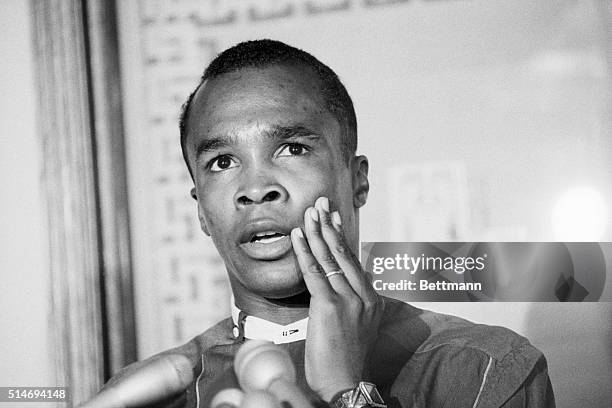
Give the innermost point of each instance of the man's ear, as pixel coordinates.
(361, 186)
(203, 225)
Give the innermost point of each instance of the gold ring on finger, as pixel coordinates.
(332, 273)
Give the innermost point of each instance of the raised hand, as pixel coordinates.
(345, 311)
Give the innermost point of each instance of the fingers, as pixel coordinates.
(326, 251)
(335, 245)
(339, 250)
(314, 219)
(314, 276)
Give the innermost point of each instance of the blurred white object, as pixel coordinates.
(580, 214)
(262, 365)
(228, 398)
(429, 201)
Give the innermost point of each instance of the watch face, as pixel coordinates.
(371, 395)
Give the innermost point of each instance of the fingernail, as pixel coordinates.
(336, 218)
(324, 204)
(314, 214)
(298, 232)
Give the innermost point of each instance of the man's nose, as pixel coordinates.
(260, 189)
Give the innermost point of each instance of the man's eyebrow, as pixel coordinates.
(276, 132)
(288, 132)
(214, 143)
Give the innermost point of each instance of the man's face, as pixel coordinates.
(263, 147)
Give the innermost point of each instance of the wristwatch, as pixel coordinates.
(365, 395)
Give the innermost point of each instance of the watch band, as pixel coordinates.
(362, 396)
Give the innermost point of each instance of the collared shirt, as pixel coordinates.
(420, 359)
(255, 328)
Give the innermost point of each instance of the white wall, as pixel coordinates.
(25, 355)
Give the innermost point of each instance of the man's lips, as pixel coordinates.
(267, 251)
(265, 239)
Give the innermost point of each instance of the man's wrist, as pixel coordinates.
(337, 396)
(337, 390)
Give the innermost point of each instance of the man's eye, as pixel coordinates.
(222, 163)
(292, 149)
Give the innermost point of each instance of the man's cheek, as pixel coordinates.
(214, 223)
(315, 186)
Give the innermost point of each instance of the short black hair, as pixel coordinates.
(263, 53)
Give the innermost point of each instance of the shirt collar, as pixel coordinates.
(255, 328)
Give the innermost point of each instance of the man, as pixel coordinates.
(269, 138)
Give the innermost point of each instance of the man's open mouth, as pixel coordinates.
(267, 237)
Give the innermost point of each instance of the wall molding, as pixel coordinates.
(112, 183)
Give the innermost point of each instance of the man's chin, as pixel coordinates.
(298, 300)
(273, 280)
(281, 290)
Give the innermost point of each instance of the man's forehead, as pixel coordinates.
(257, 98)
(263, 86)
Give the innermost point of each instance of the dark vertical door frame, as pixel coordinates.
(112, 182)
(85, 190)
